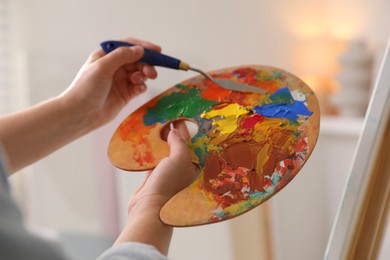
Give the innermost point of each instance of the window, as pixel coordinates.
(4, 58)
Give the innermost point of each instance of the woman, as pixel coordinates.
(103, 86)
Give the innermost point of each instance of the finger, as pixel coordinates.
(138, 89)
(131, 67)
(137, 77)
(140, 66)
(119, 57)
(183, 129)
(143, 43)
(178, 147)
(96, 55)
(150, 71)
(99, 53)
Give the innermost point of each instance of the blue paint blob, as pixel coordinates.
(283, 106)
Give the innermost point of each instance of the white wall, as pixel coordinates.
(74, 187)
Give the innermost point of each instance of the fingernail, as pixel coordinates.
(139, 79)
(143, 87)
(177, 132)
(140, 88)
(174, 130)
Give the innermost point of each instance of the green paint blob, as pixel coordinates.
(272, 76)
(200, 154)
(282, 95)
(186, 103)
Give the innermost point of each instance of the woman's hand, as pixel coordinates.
(107, 82)
(104, 85)
(171, 175)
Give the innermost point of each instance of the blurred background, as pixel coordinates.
(77, 197)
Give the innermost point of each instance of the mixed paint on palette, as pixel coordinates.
(248, 145)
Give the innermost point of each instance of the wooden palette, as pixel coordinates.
(248, 145)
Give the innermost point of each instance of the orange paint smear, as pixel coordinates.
(143, 154)
(133, 128)
(215, 92)
(270, 85)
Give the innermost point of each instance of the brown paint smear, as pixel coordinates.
(259, 158)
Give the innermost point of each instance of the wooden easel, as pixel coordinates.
(373, 215)
(362, 216)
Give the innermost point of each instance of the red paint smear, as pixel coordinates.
(288, 166)
(301, 145)
(251, 121)
(288, 172)
(249, 76)
(267, 182)
(291, 166)
(245, 72)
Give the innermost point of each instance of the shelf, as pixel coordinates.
(348, 126)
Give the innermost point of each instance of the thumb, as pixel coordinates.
(110, 62)
(180, 152)
(177, 145)
(180, 155)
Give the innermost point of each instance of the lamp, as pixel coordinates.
(354, 79)
(316, 59)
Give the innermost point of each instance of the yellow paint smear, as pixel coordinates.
(226, 118)
(262, 159)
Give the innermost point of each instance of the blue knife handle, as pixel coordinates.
(150, 57)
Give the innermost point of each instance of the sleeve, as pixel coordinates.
(132, 251)
(15, 241)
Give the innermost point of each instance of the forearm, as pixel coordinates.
(104, 85)
(145, 226)
(32, 134)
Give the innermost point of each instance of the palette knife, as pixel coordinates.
(155, 58)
